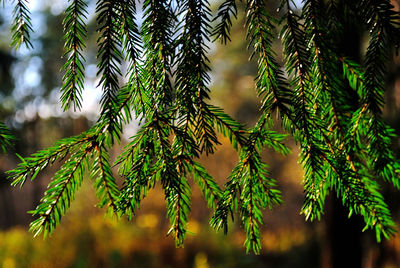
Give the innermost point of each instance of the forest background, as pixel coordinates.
(29, 104)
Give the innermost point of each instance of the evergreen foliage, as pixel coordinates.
(74, 35)
(21, 27)
(6, 138)
(330, 104)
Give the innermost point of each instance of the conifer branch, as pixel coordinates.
(60, 193)
(228, 127)
(74, 34)
(38, 161)
(371, 86)
(308, 128)
(133, 46)
(331, 105)
(21, 26)
(138, 168)
(210, 189)
(7, 139)
(226, 11)
(362, 197)
(105, 184)
(109, 56)
(270, 82)
(250, 182)
(157, 26)
(379, 135)
(176, 188)
(192, 77)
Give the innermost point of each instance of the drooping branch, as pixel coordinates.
(74, 34)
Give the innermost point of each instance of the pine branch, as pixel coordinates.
(370, 126)
(157, 26)
(307, 126)
(258, 192)
(177, 193)
(333, 98)
(60, 193)
(7, 139)
(226, 11)
(248, 179)
(21, 26)
(132, 95)
(251, 217)
(192, 75)
(362, 197)
(211, 191)
(348, 146)
(139, 170)
(270, 82)
(228, 127)
(109, 58)
(157, 31)
(375, 61)
(132, 47)
(204, 131)
(332, 106)
(379, 135)
(74, 34)
(32, 165)
(228, 203)
(176, 189)
(105, 184)
(250, 182)
(381, 13)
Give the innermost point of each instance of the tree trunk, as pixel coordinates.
(344, 234)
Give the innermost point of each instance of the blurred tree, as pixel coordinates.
(6, 59)
(329, 102)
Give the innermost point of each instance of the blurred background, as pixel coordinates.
(29, 104)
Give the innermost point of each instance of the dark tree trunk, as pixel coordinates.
(344, 235)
